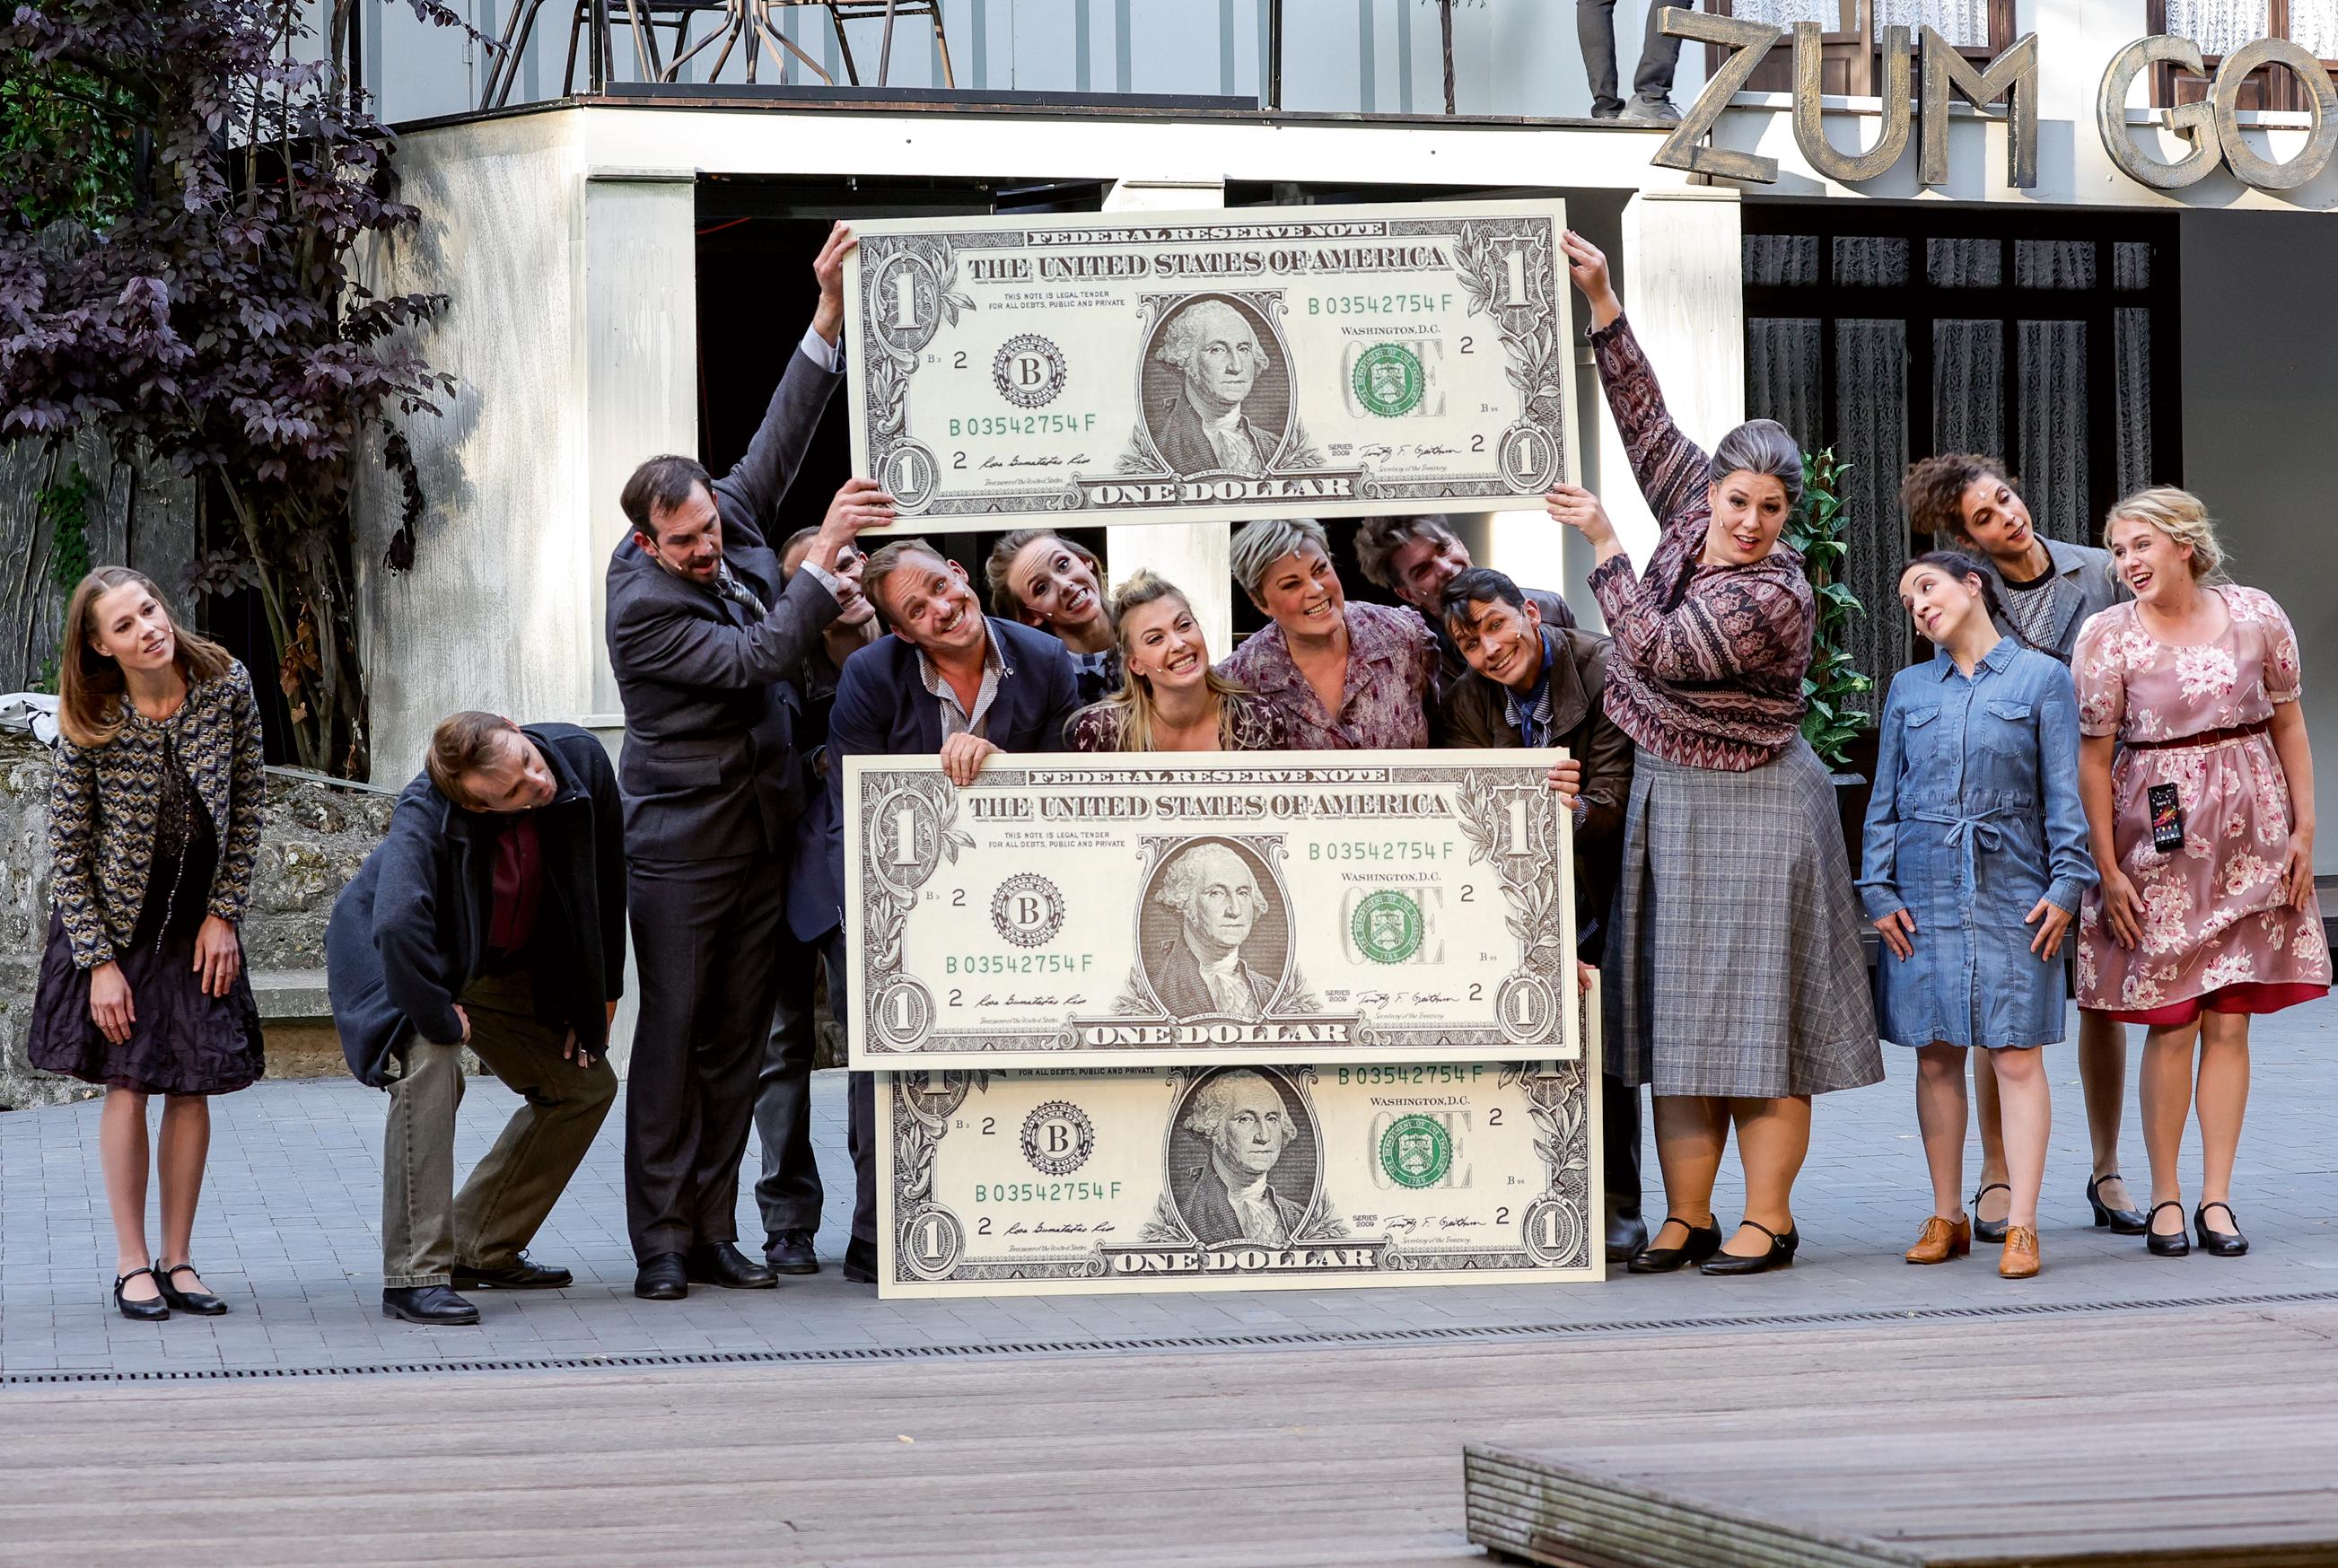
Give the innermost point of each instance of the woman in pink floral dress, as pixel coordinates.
(2198, 786)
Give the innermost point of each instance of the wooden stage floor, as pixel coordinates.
(1331, 1455)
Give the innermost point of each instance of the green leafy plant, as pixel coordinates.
(1816, 532)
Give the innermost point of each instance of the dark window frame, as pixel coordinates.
(2272, 89)
(1919, 304)
(1849, 55)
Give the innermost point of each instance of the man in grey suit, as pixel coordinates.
(704, 634)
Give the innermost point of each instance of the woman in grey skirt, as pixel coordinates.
(1736, 989)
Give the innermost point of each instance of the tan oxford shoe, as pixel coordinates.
(1941, 1240)
(2020, 1259)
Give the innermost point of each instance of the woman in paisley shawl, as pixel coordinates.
(154, 824)
(1735, 988)
(1170, 699)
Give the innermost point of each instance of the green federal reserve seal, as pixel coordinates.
(1386, 927)
(1416, 1152)
(1389, 381)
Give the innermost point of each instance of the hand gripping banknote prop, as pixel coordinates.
(1210, 366)
(1163, 910)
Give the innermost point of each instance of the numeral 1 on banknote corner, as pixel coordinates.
(1513, 293)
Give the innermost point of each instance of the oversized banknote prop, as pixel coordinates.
(1159, 910)
(1202, 1178)
(1311, 361)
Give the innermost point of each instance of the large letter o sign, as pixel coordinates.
(2310, 160)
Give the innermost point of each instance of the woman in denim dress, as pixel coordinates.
(1976, 860)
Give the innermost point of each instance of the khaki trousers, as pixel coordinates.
(427, 1229)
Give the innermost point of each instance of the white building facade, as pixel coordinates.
(628, 267)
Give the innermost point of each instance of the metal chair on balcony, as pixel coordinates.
(840, 11)
(736, 22)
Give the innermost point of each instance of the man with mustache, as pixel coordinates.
(950, 682)
(705, 636)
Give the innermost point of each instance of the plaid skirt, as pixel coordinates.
(1732, 963)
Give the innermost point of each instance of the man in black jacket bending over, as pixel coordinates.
(705, 634)
(492, 916)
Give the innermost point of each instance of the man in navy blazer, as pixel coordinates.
(948, 681)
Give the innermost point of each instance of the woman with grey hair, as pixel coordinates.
(1347, 677)
(1736, 989)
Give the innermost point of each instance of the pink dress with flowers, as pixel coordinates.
(2214, 914)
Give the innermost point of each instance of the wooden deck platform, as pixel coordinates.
(1316, 1457)
(2228, 1485)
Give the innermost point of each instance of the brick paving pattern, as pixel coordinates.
(289, 1235)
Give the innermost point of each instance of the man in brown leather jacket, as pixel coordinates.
(1534, 685)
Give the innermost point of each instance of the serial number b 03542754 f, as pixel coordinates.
(1018, 963)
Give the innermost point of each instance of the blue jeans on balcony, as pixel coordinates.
(1594, 30)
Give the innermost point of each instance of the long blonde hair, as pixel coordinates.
(1134, 697)
(90, 684)
(2184, 518)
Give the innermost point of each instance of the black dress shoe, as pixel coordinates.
(789, 1252)
(201, 1303)
(1701, 1243)
(436, 1306)
(2219, 1243)
(1990, 1229)
(2119, 1222)
(154, 1309)
(519, 1274)
(662, 1278)
(1780, 1253)
(1627, 1235)
(2173, 1245)
(861, 1262)
(721, 1263)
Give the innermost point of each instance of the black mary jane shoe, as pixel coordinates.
(2219, 1243)
(2118, 1222)
(1992, 1231)
(2174, 1244)
(202, 1303)
(154, 1309)
(1779, 1254)
(1703, 1243)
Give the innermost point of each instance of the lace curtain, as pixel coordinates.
(1782, 376)
(1964, 23)
(1827, 13)
(1969, 386)
(2314, 23)
(2052, 449)
(1964, 263)
(2219, 26)
(1871, 363)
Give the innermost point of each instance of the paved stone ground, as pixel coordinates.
(289, 1235)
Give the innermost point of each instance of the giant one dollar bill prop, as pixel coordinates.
(1160, 910)
(1239, 1178)
(1198, 366)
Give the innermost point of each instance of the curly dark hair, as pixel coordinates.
(1934, 490)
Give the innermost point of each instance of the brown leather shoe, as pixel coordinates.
(2020, 1258)
(1941, 1240)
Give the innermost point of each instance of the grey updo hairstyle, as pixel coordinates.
(1760, 446)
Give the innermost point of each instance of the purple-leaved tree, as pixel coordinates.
(213, 322)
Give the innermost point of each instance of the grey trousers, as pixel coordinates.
(427, 1227)
(1594, 33)
(788, 1190)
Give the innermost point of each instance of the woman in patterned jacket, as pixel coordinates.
(154, 823)
(1735, 986)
